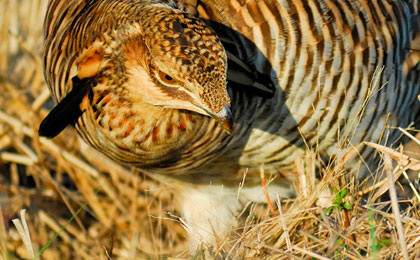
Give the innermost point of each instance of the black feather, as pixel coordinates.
(67, 111)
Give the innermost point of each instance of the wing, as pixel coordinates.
(253, 34)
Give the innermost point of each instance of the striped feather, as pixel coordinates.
(324, 57)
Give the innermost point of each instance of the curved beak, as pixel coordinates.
(224, 118)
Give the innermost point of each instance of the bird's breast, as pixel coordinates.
(141, 134)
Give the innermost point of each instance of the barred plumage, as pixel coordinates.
(321, 56)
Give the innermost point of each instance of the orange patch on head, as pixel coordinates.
(89, 63)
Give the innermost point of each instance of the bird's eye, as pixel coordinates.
(165, 78)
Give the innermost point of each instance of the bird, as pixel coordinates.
(198, 92)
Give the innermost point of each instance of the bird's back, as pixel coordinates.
(344, 71)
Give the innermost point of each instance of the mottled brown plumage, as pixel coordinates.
(151, 84)
(178, 63)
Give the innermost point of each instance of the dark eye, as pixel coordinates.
(166, 78)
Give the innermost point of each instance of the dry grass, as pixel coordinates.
(97, 209)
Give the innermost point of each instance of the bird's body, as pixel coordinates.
(341, 70)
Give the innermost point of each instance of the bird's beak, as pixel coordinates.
(224, 118)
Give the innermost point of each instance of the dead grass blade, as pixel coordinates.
(395, 207)
(23, 230)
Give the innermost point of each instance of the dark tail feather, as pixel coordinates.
(67, 111)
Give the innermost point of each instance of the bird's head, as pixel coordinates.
(174, 61)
